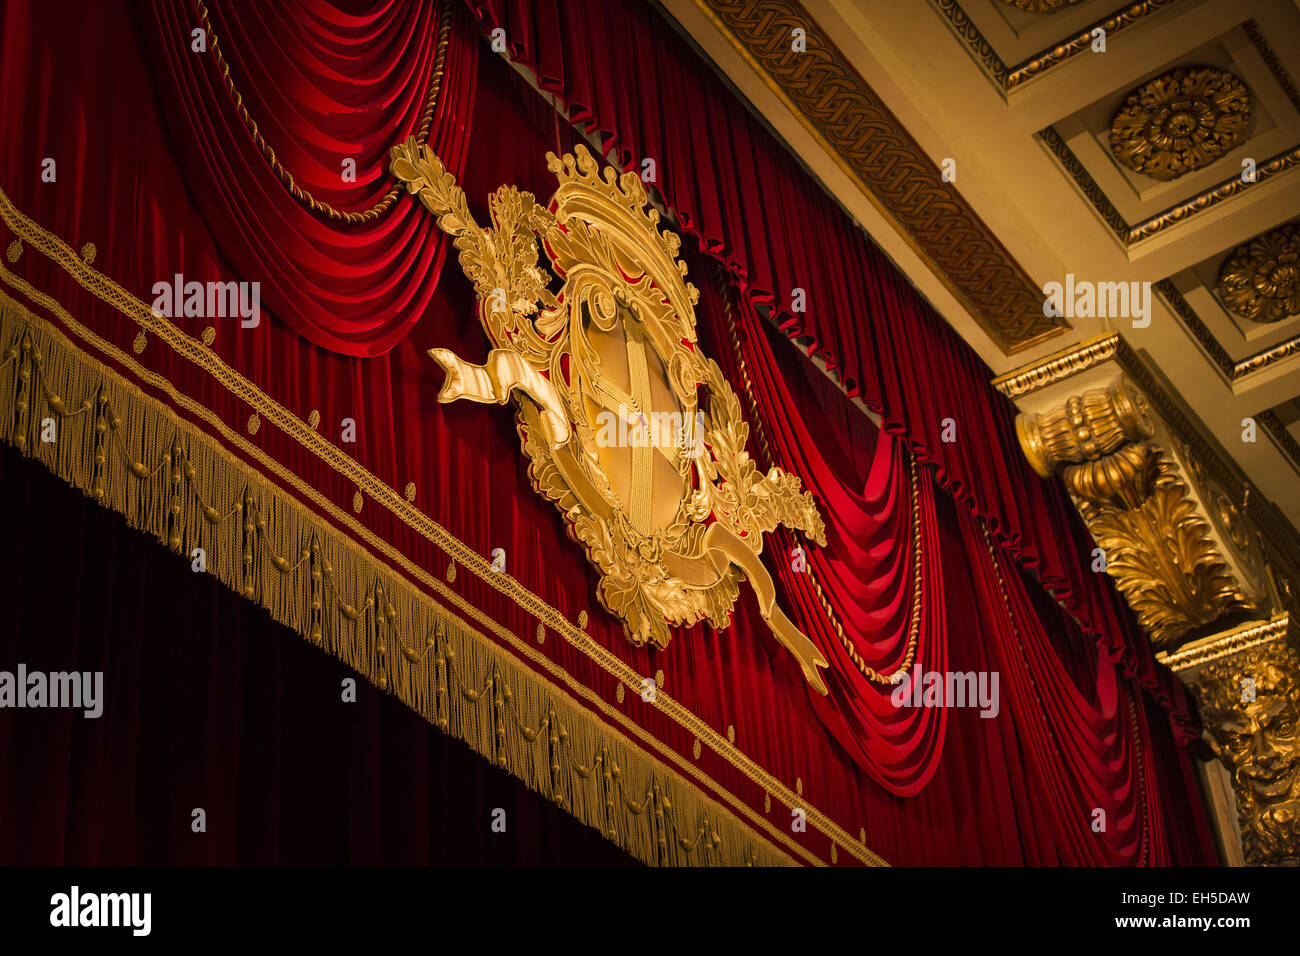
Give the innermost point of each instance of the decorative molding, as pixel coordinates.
(1221, 646)
(1132, 233)
(1252, 30)
(836, 105)
(1231, 369)
(1059, 366)
(1008, 78)
(1280, 434)
(1180, 121)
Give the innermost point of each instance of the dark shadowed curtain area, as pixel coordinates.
(209, 703)
(158, 169)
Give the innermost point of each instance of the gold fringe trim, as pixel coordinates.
(304, 433)
(95, 430)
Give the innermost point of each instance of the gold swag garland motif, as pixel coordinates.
(672, 529)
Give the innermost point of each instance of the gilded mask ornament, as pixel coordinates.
(1180, 122)
(1260, 280)
(1251, 705)
(628, 427)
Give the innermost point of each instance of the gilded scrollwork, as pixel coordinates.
(629, 428)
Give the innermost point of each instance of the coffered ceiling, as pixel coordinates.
(1152, 142)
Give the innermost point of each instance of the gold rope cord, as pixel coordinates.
(1139, 755)
(918, 583)
(317, 206)
(131, 454)
(115, 296)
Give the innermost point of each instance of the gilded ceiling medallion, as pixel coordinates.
(1040, 6)
(1180, 121)
(1260, 280)
(629, 428)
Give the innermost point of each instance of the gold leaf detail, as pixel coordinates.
(357, 501)
(410, 491)
(1181, 121)
(313, 419)
(139, 342)
(14, 251)
(88, 253)
(254, 423)
(209, 336)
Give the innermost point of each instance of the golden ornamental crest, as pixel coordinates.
(629, 428)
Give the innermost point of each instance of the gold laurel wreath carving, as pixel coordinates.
(1180, 121)
(318, 206)
(1260, 279)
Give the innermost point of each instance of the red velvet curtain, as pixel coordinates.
(326, 87)
(749, 203)
(924, 786)
(257, 736)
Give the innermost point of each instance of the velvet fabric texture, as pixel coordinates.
(156, 167)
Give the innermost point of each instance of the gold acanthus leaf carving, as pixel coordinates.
(1260, 280)
(1181, 121)
(1157, 546)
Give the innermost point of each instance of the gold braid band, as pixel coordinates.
(918, 584)
(317, 206)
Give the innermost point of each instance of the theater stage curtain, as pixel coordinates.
(258, 737)
(330, 90)
(431, 491)
(750, 204)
